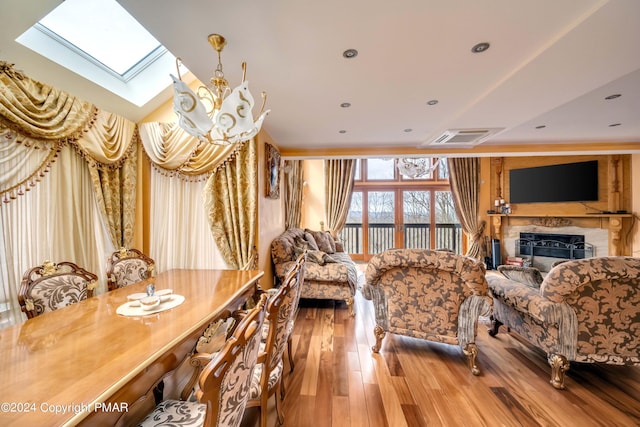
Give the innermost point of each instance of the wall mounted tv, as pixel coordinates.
(570, 182)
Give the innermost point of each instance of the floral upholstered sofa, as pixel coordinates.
(585, 310)
(433, 295)
(329, 272)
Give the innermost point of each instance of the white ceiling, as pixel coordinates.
(551, 62)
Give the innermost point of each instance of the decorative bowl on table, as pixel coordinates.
(165, 294)
(150, 302)
(134, 299)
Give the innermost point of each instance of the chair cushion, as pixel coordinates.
(255, 390)
(176, 413)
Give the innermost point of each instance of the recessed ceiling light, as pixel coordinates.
(350, 53)
(614, 96)
(541, 127)
(342, 131)
(480, 47)
(614, 124)
(432, 102)
(345, 105)
(408, 130)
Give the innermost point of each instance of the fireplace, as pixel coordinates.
(595, 240)
(564, 246)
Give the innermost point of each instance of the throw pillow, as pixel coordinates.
(319, 257)
(300, 242)
(529, 276)
(308, 237)
(324, 241)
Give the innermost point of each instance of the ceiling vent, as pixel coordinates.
(465, 136)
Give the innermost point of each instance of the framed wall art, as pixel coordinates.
(273, 171)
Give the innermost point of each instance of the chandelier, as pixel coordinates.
(217, 114)
(416, 167)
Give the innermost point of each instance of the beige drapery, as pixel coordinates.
(39, 117)
(339, 174)
(464, 178)
(181, 165)
(84, 160)
(176, 153)
(292, 193)
(40, 111)
(231, 200)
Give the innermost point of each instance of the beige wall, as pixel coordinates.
(270, 214)
(313, 205)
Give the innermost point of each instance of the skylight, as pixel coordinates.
(100, 41)
(103, 30)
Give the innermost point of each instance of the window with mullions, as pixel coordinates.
(391, 210)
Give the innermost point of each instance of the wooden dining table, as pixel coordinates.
(87, 364)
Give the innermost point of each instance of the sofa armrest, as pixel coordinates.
(283, 268)
(525, 299)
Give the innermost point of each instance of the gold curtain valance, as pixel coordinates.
(172, 151)
(40, 111)
(109, 142)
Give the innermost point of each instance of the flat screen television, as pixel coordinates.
(569, 182)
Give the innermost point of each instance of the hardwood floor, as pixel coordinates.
(338, 381)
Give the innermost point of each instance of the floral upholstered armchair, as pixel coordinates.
(585, 310)
(433, 295)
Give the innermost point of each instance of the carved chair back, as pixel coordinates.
(267, 379)
(127, 266)
(51, 286)
(223, 385)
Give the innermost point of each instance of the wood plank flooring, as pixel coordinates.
(338, 381)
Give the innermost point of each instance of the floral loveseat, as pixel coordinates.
(329, 272)
(585, 310)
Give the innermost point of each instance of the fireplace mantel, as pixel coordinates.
(614, 223)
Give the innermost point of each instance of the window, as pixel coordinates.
(102, 42)
(389, 210)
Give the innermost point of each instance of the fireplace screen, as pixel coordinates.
(565, 246)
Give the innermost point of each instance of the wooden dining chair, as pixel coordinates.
(223, 385)
(51, 286)
(299, 272)
(267, 377)
(127, 266)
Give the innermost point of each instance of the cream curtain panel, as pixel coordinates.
(179, 227)
(292, 193)
(183, 181)
(59, 220)
(464, 178)
(231, 203)
(339, 174)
